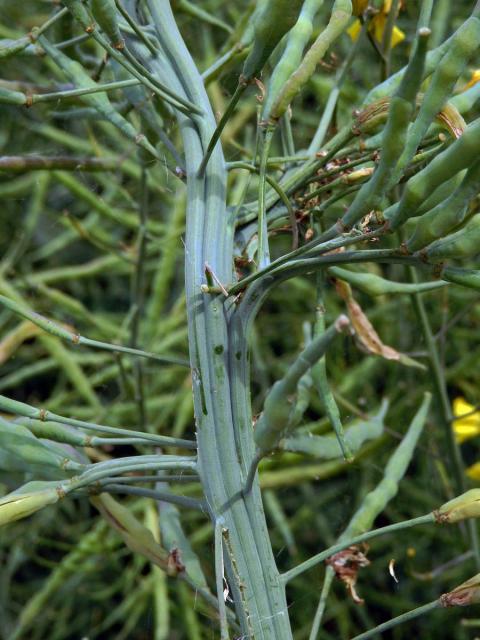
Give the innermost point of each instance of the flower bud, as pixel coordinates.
(465, 506)
(17, 505)
(463, 595)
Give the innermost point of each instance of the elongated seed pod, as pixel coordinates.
(12, 97)
(327, 447)
(105, 13)
(374, 285)
(25, 448)
(464, 277)
(466, 100)
(458, 156)
(402, 106)
(60, 332)
(462, 244)
(274, 419)
(298, 38)
(276, 19)
(375, 501)
(55, 432)
(341, 13)
(99, 101)
(442, 192)
(463, 45)
(447, 215)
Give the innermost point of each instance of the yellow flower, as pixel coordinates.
(377, 24)
(468, 426)
(474, 78)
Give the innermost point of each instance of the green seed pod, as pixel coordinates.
(277, 17)
(458, 156)
(80, 13)
(374, 285)
(466, 100)
(464, 277)
(341, 13)
(464, 43)
(55, 432)
(277, 407)
(76, 73)
(21, 445)
(32, 497)
(375, 501)
(462, 244)
(402, 107)
(328, 448)
(105, 13)
(44, 323)
(298, 38)
(12, 97)
(447, 215)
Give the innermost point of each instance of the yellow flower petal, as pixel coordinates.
(354, 30)
(475, 77)
(377, 28)
(473, 472)
(397, 36)
(468, 426)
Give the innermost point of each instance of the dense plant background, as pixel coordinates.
(69, 248)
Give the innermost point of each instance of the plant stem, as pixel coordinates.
(394, 622)
(323, 555)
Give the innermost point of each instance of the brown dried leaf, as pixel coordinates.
(365, 333)
(346, 565)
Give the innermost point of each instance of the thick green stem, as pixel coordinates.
(219, 361)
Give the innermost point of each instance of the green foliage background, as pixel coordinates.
(64, 574)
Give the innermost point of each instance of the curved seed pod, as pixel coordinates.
(105, 14)
(80, 13)
(55, 432)
(277, 17)
(441, 193)
(75, 72)
(464, 277)
(402, 106)
(12, 97)
(328, 448)
(466, 100)
(458, 156)
(341, 13)
(375, 501)
(276, 411)
(374, 285)
(298, 38)
(28, 453)
(462, 244)
(447, 215)
(464, 43)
